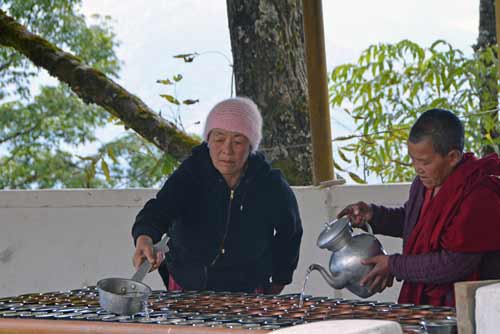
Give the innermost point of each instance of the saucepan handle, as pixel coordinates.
(145, 267)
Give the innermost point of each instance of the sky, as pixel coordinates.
(151, 32)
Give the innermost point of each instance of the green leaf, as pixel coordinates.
(337, 166)
(343, 157)
(488, 137)
(170, 99)
(183, 55)
(165, 82)
(356, 178)
(111, 155)
(342, 138)
(91, 171)
(85, 158)
(189, 102)
(187, 57)
(105, 169)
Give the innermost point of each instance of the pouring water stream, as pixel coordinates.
(302, 293)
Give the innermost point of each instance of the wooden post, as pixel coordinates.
(319, 109)
(497, 23)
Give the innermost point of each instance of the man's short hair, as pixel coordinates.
(442, 127)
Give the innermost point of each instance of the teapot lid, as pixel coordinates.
(333, 233)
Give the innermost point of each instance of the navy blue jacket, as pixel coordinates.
(222, 239)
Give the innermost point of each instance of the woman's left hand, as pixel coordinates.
(380, 277)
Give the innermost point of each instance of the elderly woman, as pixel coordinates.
(233, 221)
(450, 222)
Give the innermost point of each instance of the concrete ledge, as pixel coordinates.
(488, 309)
(72, 198)
(345, 327)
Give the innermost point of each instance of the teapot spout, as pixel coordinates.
(335, 281)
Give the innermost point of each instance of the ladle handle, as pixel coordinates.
(145, 267)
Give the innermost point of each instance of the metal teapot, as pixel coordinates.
(346, 270)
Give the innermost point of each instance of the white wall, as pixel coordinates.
(66, 239)
(488, 309)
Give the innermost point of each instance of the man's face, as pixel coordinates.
(432, 168)
(229, 151)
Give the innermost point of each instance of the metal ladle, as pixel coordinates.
(128, 296)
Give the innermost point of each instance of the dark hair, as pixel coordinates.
(442, 127)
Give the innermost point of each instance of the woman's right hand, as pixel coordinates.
(144, 250)
(358, 213)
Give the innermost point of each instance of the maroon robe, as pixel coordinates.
(464, 216)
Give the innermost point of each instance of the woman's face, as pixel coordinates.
(229, 152)
(431, 167)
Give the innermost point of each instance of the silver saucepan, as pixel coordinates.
(128, 296)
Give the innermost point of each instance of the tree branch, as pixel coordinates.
(92, 86)
(348, 137)
(6, 65)
(19, 133)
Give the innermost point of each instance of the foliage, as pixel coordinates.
(60, 22)
(33, 136)
(390, 85)
(38, 134)
(45, 132)
(175, 105)
(127, 162)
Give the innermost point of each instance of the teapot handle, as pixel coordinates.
(368, 227)
(365, 223)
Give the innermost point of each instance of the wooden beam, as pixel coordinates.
(37, 326)
(319, 108)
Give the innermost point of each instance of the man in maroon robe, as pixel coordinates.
(450, 224)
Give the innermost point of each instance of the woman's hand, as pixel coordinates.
(380, 277)
(358, 213)
(144, 250)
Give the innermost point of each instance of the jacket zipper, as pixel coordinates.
(222, 250)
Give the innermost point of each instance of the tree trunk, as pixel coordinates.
(488, 89)
(267, 39)
(487, 28)
(93, 86)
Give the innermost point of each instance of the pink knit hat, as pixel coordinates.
(238, 114)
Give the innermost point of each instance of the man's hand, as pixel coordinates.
(144, 250)
(274, 289)
(380, 276)
(357, 213)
